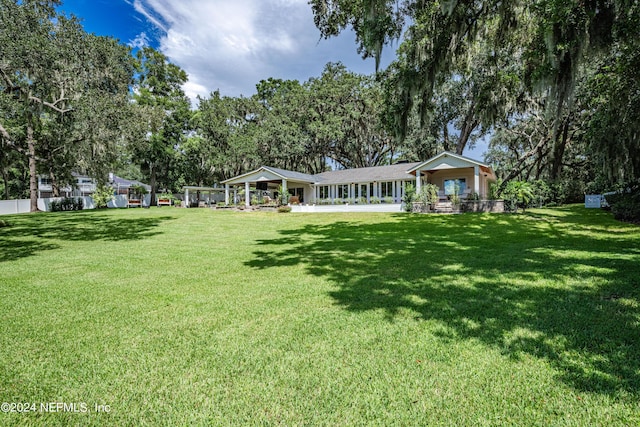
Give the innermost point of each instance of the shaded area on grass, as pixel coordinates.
(561, 285)
(30, 234)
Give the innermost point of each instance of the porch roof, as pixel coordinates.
(267, 173)
(449, 160)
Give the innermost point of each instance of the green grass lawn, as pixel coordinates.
(200, 317)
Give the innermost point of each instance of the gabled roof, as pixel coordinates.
(126, 183)
(394, 172)
(296, 176)
(279, 173)
(442, 157)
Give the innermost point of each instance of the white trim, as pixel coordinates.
(446, 154)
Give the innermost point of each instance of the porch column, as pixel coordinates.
(226, 194)
(247, 194)
(186, 198)
(285, 192)
(418, 184)
(476, 179)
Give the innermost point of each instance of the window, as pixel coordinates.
(343, 191)
(386, 189)
(363, 190)
(297, 192)
(454, 186)
(323, 192)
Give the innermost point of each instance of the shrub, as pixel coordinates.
(517, 194)
(494, 190)
(409, 197)
(102, 196)
(66, 204)
(567, 191)
(542, 194)
(137, 190)
(284, 209)
(625, 206)
(283, 196)
(428, 193)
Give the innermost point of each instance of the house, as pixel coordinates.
(449, 171)
(122, 186)
(86, 186)
(83, 186)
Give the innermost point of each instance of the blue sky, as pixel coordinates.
(228, 45)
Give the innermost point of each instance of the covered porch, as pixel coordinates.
(267, 182)
(454, 174)
(200, 196)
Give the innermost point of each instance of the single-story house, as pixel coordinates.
(122, 185)
(448, 171)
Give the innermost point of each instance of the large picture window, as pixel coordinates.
(324, 192)
(386, 189)
(454, 186)
(343, 191)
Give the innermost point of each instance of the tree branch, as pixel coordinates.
(52, 105)
(519, 166)
(11, 144)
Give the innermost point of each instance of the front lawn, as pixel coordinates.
(170, 316)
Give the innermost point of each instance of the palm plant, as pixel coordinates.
(520, 192)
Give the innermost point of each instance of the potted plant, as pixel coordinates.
(165, 199)
(136, 195)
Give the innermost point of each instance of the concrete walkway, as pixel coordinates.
(382, 207)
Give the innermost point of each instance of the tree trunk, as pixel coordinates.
(33, 172)
(5, 178)
(445, 137)
(467, 129)
(558, 150)
(152, 183)
(55, 188)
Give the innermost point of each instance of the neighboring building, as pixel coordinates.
(121, 185)
(447, 170)
(85, 186)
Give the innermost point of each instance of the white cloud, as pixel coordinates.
(141, 40)
(232, 44)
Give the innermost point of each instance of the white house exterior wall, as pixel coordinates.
(440, 176)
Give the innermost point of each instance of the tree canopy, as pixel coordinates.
(553, 86)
